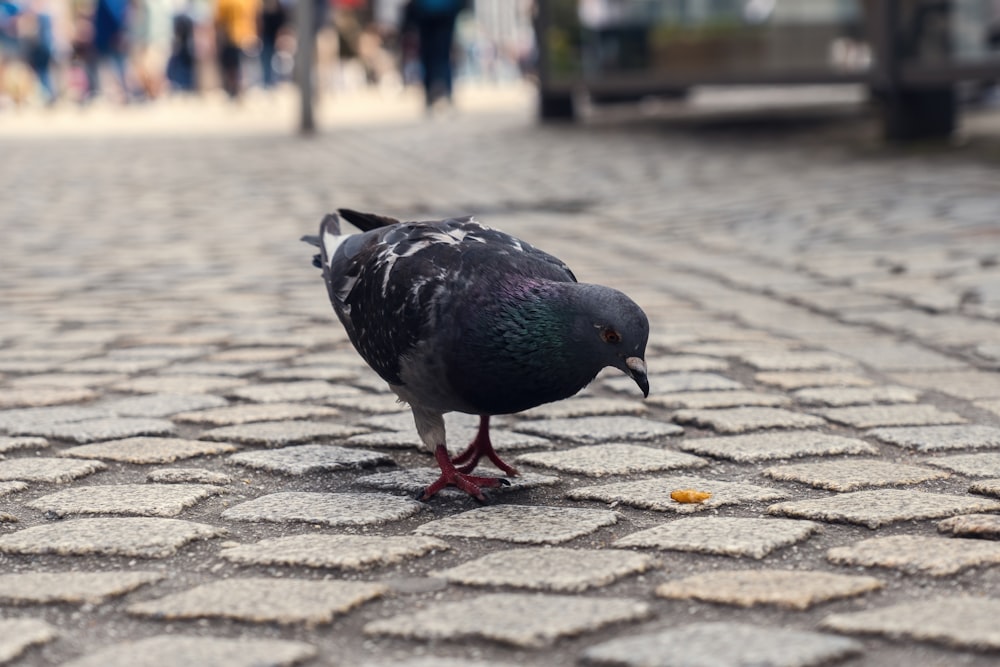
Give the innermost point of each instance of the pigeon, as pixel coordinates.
(458, 317)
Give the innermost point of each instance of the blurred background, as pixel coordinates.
(916, 63)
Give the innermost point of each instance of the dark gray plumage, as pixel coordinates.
(456, 316)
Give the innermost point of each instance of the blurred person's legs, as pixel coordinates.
(436, 37)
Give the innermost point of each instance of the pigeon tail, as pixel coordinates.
(329, 224)
(366, 221)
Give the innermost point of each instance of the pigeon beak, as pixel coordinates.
(637, 371)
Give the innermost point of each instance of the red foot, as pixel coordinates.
(480, 447)
(471, 484)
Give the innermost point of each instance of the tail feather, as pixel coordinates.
(330, 224)
(366, 221)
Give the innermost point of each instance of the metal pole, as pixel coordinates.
(305, 55)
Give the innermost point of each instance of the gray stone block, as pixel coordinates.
(725, 536)
(880, 508)
(770, 445)
(328, 509)
(521, 523)
(522, 620)
(348, 552)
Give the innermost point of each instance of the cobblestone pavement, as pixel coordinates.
(198, 470)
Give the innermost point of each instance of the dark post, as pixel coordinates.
(305, 55)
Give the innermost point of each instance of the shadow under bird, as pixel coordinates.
(456, 316)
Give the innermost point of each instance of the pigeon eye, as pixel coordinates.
(611, 336)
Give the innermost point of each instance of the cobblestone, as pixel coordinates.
(52, 471)
(549, 568)
(262, 600)
(835, 278)
(275, 434)
(879, 508)
(776, 445)
(17, 634)
(870, 416)
(521, 524)
(853, 474)
(524, 620)
(145, 451)
(328, 509)
(788, 589)
(71, 587)
(962, 622)
(181, 651)
(612, 459)
(143, 537)
(601, 429)
(655, 493)
(724, 645)
(740, 420)
(971, 465)
(126, 499)
(255, 412)
(937, 556)
(940, 438)
(726, 536)
(302, 459)
(348, 552)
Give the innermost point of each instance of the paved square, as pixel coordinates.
(185, 651)
(145, 450)
(936, 556)
(655, 493)
(853, 474)
(725, 536)
(724, 644)
(328, 509)
(740, 420)
(776, 445)
(612, 459)
(549, 568)
(521, 523)
(130, 536)
(787, 589)
(522, 620)
(958, 621)
(302, 459)
(880, 508)
(263, 600)
(347, 552)
(71, 587)
(127, 499)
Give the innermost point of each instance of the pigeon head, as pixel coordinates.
(612, 329)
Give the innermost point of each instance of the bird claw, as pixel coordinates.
(471, 484)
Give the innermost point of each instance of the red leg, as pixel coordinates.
(471, 484)
(480, 447)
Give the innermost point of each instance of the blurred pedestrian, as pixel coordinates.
(273, 18)
(434, 21)
(110, 44)
(149, 30)
(181, 65)
(10, 48)
(235, 32)
(38, 45)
